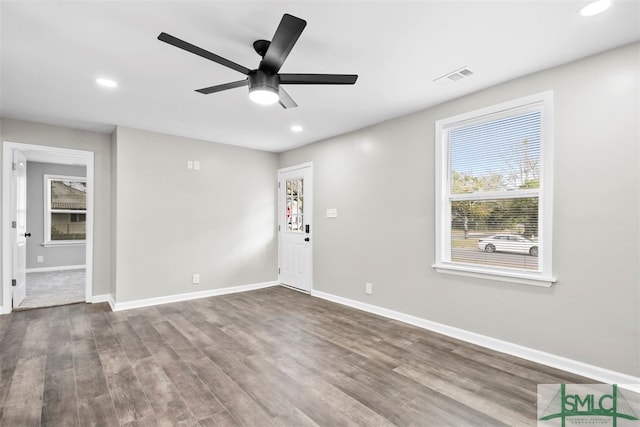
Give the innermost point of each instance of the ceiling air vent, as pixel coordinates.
(456, 75)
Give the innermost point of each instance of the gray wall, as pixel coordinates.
(381, 180)
(55, 136)
(54, 256)
(171, 222)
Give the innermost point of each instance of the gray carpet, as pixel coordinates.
(46, 289)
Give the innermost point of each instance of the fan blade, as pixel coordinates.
(168, 38)
(318, 79)
(283, 41)
(220, 88)
(285, 100)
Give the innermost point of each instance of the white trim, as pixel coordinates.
(80, 156)
(576, 367)
(100, 298)
(127, 305)
(519, 277)
(58, 268)
(3, 311)
(7, 267)
(63, 243)
(296, 167)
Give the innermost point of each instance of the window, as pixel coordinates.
(493, 194)
(65, 216)
(295, 210)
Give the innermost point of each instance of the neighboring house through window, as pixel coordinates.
(65, 217)
(493, 194)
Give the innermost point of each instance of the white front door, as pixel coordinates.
(19, 227)
(295, 226)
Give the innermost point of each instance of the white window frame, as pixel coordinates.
(48, 211)
(443, 264)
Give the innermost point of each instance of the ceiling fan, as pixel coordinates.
(265, 81)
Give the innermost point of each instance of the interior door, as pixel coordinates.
(19, 227)
(295, 225)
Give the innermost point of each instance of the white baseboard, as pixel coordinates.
(112, 302)
(127, 305)
(584, 369)
(99, 298)
(3, 311)
(59, 268)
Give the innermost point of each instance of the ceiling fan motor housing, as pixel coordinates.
(260, 79)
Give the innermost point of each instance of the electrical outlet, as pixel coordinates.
(368, 288)
(40, 258)
(195, 279)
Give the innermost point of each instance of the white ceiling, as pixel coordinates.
(52, 51)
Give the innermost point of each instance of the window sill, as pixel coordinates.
(532, 279)
(57, 244)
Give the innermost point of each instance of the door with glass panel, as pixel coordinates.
(295, 224)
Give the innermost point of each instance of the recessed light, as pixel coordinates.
(595, 7)
(296, 128)
(106, 82)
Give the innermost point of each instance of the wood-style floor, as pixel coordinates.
(261, 358)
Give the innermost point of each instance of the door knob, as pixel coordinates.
(306, 239)
(27, 234)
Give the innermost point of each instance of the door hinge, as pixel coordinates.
(14, 166)
(14, 224)
(278, 270)
(14, 282)
(278, 183)
(278, 228)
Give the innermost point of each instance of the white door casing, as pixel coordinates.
(46, 154)
(19, 227)
(295, 226)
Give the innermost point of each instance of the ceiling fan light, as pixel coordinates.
(595, 7)
(263, 95)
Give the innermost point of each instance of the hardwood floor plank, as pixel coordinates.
(237, 402)
(353, 411)
(221, 419)
(35, 338)
(258, 387)
(163, 396)
(196, 395)
(97, 411)
(10, 348)
(88, 370)
(128, 397)
(104, 336)
(180, 344)
(59, 405)
(130, 341)
(23, 403)
(143, 327)
(23, 416)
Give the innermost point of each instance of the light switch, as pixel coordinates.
(189, 164)
(196, 164)
(332, 213)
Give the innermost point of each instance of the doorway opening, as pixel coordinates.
(48, 226)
